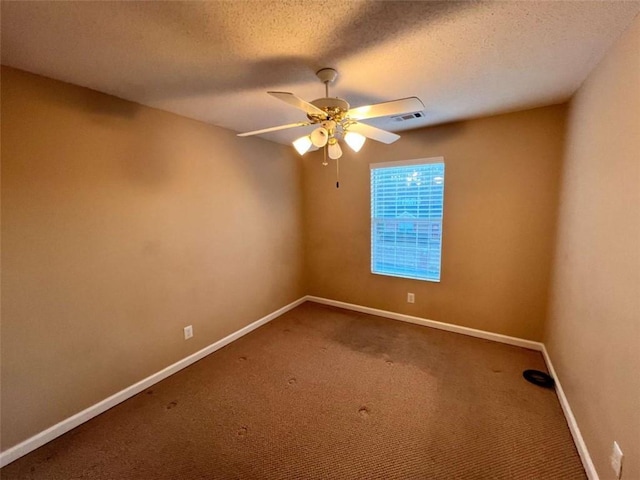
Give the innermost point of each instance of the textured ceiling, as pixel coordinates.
(214, 61)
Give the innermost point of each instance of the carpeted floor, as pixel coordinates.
(327, 393)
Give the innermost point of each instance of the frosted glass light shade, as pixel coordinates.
(319, 137)
(302, 144)
(355, 140)
(335, 151)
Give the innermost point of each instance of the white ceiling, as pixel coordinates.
(214, 61)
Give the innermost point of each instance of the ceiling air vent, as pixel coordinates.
(407, 116)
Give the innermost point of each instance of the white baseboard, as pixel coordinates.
(64, 426)
(587, 463)
(496, 337)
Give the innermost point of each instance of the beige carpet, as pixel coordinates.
(326, 393)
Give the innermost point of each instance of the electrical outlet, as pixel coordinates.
(188, 332)
(411, 298)
(616, 459)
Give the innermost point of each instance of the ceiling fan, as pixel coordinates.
(336, 119)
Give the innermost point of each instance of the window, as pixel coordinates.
(406, 218)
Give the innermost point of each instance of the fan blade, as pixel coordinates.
(386, 109)
(297, 102)
(274, 129)
(374, 133)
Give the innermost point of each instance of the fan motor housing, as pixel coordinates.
(336, 108)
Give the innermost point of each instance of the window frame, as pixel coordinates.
(405, 163)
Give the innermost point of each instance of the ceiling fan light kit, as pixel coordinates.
(319, 137)
(302, 144)
(335, 152)
(336, 119)
(354, 140)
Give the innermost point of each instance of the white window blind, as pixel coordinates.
(406, 218)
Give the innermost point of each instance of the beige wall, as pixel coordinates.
(500, 202)
(122, 224)
(593, 331)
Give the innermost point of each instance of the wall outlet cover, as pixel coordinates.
(616, 459)
(188, 332)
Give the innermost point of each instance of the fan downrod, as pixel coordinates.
(335, 108)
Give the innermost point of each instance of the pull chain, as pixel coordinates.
(337, 173)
